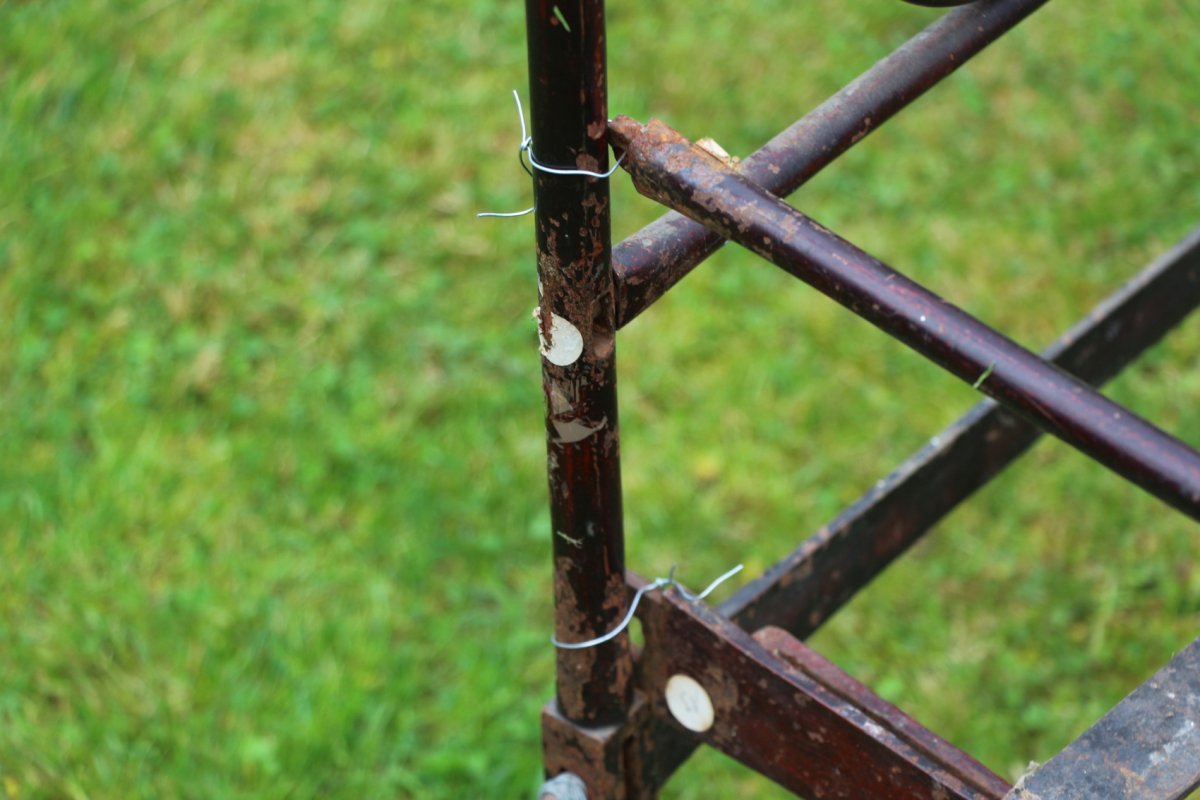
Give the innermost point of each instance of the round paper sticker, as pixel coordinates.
(689, 703)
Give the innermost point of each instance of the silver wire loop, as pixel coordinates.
(505, 213)
(526, 149)
(560, 171)
(658, 583)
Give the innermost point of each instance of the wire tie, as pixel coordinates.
(526, 149)
(658, 583)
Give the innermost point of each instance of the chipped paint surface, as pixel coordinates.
(575, 430)
(1147, 748)
(1184, 737)
(575, 319)
(713, 148)
(562, 345)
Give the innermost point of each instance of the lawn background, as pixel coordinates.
(272, 498)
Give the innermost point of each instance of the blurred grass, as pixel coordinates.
(272, 504)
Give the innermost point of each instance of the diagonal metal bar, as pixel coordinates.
(667, 168)
(801, 591)
(808, 585)
(1147, 748)
(657, 257)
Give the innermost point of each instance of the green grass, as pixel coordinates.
(272, 495)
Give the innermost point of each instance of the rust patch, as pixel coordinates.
(587, 161)
(550, 276)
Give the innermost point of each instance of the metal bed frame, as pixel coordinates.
(738, 677)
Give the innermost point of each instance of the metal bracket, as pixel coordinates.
(607, 760)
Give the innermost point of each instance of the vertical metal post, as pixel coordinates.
(577, 324)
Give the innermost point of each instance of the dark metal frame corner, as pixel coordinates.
(771, 702)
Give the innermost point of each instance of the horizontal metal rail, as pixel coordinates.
(667, 168)
(657, 257)
(806, 587)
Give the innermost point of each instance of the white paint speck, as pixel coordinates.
(922, 318)
(566, 343)
(689, 703)
(573, 430)
(1182, 738)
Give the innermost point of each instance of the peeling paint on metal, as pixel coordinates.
(571, 431)
(562, 345)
